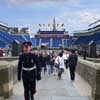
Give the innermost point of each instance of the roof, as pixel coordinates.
(86, 39)
(51, 32)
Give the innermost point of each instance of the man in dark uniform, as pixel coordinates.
(38, 65)
(84, 54)
(27, 69)
(72, 62)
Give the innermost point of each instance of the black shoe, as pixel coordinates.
(72, 80)
(32, 98)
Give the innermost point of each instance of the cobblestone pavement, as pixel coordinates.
(49, 88)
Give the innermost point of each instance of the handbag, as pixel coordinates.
(57, 65)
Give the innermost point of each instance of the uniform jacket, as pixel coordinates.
(27, 61)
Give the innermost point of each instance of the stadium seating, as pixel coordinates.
(37, 41)
(57, 42)
(2, 44)
(19, 38)
(46, 40)
(88, 38)
(65, 42)
(33, 40)
(7, 39)
(26, 37)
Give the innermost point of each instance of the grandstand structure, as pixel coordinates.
(7, 38)
(54, 38)
(84, 37)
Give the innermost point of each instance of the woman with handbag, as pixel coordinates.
(60, 65)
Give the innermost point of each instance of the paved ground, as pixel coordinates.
(49, 88)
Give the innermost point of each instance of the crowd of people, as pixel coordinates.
(54, 62)
(33, 64)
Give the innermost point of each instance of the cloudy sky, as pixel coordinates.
(76, 14)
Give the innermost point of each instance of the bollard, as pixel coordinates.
(8, 73)
(96, 89)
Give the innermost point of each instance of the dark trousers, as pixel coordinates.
(72, 72)
(60, 71)
(29, 89)
(52, 68)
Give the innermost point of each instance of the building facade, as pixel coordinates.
(54, 38)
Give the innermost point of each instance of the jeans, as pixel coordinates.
(49, 70)
(43, 70)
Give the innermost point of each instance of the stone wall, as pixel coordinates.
(8, 58)
(91, 73)
(8, 77)
(88, 70)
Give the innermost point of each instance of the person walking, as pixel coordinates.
(66, 56)
(48, 64)
(43, 60)
(60, 65)
(72, 62)
(27, 70)
(53, 70)
(38, 65)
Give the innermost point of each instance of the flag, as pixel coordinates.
(62, 25)
(43, 24)
(40, 25)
